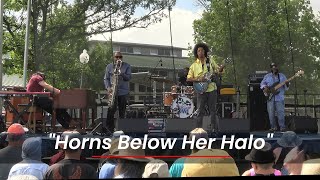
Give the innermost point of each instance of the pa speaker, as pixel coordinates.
(227, 125)
(302, 124)
(180, 125)
(133, 125)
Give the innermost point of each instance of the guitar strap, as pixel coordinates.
(208, 65)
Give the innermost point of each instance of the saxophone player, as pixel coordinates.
(122, 71)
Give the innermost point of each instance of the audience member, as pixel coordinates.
(31, 163)
(128, 166)
(298, 155)
(177, 166)
(156, 168)
(262, 161)
(284, 145)
(3, 142)
(60, 156)
(71, 167)
(23, 177)
(108, 165)
(293, 161)
(210, 167)
(11, 154)
(311, 167)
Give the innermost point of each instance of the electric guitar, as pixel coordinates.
(201, 87)
(271, 91)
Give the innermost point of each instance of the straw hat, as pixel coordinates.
(209, 167)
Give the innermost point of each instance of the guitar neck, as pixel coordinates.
(283, 83)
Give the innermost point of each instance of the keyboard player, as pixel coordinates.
(37, 83)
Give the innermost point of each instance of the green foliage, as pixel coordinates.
(60, 32)
(260, 35)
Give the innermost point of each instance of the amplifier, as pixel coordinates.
(225, 109)
(257, 77)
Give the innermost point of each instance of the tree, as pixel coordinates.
(259, 31)
(60, 31)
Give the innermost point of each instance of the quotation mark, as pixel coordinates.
(270, 135)
(52, 135)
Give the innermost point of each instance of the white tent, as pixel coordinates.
(13, 80)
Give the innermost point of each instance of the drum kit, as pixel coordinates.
(180, 101)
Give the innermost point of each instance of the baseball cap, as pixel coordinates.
(17, 128)
(156, 166)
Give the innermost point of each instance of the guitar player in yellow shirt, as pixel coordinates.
(206, 90)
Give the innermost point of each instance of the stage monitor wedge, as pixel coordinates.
(176, 125)
(133, 125)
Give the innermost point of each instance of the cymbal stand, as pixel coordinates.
(154, 91)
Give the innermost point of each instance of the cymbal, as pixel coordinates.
(162, 79)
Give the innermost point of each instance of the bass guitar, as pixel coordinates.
(201, 87)
(271, 91)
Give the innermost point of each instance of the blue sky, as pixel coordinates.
(189, 5)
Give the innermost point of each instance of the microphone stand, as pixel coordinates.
(154, 85)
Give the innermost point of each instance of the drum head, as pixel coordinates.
(182, 107)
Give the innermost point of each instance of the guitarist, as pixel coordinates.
(196, 72)
(276, 103)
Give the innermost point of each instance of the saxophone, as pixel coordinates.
(114, 84)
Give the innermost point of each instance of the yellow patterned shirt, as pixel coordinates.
(196, 71)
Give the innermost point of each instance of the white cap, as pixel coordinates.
(156, 166)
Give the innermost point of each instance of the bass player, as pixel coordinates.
(275, 104)
(196, 73)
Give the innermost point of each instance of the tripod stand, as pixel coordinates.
(102, 121)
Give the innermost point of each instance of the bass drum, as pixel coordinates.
(182, 107)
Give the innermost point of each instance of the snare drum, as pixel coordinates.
(167, 99)
(182, 107)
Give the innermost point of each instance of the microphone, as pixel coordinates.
(160, 61)
(119, 62)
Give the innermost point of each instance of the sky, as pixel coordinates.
(182, 17)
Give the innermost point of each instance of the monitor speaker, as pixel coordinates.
(302, 124)
(133, 125)
(235, 125)
(180, 125)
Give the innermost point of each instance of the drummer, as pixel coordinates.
(183, 82)
(183, 79)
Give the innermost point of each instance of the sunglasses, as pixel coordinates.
(118, 56)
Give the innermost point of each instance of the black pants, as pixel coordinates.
(208, 99)
(121, 103)
(47, 104)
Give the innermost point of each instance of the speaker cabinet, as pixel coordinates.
(180, 125)
(134, 125)
(257, 108)
(302, 124)
(227, 125)
(225, 109)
